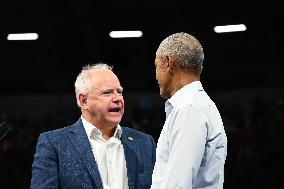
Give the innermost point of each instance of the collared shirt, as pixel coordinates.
(109, 156)
(192, 147)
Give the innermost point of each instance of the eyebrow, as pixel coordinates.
(111, 89)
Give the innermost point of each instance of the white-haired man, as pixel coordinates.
(95, 152)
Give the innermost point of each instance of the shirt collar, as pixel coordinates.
(179, 96)
(93, 130)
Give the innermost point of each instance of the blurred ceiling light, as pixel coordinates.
(125, 34)
(22, 36)
(230, 28)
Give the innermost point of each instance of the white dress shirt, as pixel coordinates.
(192, 146)
(109, 156)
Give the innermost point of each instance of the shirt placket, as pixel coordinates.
(110, 163)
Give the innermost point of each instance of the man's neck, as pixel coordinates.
(181, 79)
(106, 130)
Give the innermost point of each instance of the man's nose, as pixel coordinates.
(117, 96)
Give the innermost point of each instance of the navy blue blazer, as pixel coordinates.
(64, 159)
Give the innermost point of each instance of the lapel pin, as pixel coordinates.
(130, 138)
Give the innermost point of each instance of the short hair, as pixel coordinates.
(82, 83)
(184, 49)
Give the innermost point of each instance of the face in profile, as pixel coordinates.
(104, 102)
(163, 77)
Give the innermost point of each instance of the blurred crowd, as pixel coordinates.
(255, 133)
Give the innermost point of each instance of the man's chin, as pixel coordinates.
(164, 95)
(114, 121)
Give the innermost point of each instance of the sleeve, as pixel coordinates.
(186, 148)
(45, 165)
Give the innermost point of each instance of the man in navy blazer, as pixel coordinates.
(95, 152)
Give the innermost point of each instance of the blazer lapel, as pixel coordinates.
(81, 143)
(130, 156)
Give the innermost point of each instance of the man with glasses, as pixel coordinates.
(95, 152)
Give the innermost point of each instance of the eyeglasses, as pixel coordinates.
(110, 92)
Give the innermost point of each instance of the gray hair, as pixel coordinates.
(83, 82)
(184, 49)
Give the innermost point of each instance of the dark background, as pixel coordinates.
(242, 74)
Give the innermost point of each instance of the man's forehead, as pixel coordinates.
(104, 84)
(103, 76)
(112, 88)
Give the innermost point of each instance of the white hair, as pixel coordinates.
(83, 83)
(185, 49)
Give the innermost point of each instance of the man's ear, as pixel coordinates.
(171, 64)
(83, 100)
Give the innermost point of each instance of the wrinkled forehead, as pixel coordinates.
(104, 79)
